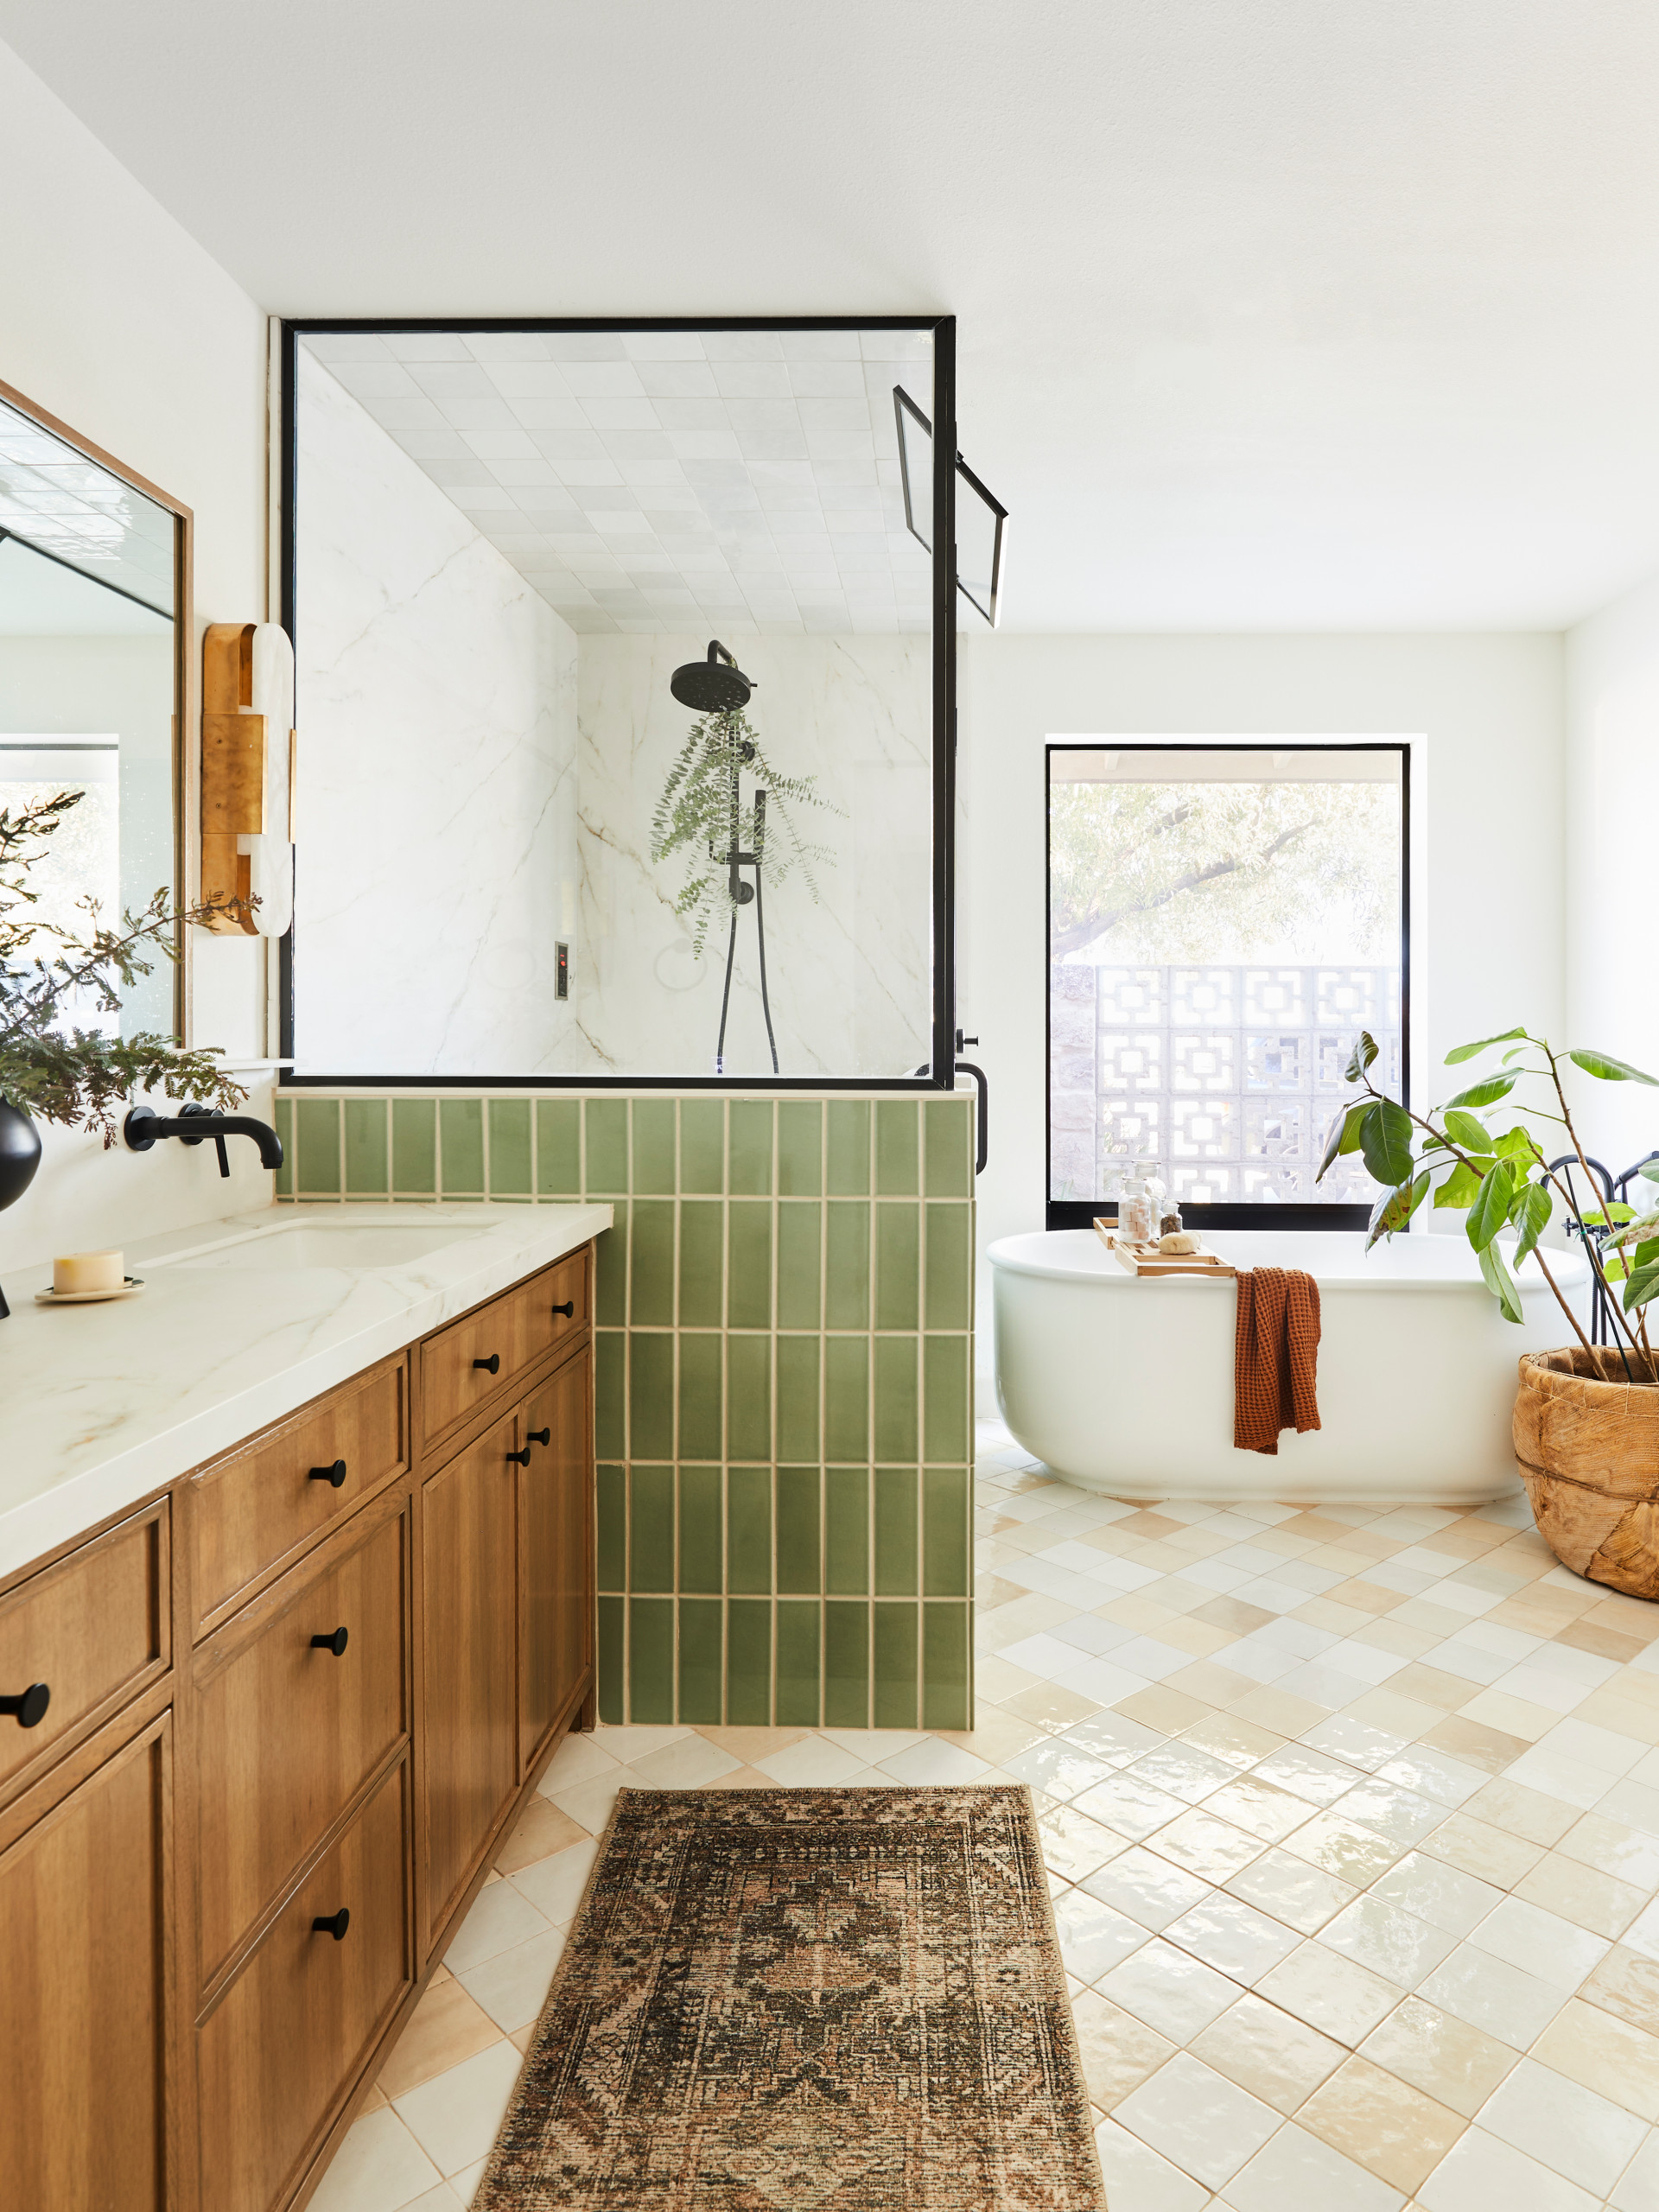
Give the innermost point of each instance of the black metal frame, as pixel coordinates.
(1615, 1190)
(1078, 1213)
(903, 404)
(944, 895)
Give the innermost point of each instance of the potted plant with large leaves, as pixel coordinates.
(1587, 1418)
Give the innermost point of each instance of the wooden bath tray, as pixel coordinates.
(1148, 1260)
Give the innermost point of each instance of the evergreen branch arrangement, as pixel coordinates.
(695, 816)
(69, 1075)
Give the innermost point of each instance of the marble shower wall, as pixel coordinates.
(436, 831)
(848, 976)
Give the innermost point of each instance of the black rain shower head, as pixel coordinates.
(714, 686)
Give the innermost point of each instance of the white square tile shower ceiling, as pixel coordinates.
(652, 480)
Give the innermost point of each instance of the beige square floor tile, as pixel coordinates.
(995, 1738)
(1256, 1806)
(1171, 1991)
(1513, 1716)
(1240, 1744)
(578, 1758)
(1198, 2120)
(512, 1986)
(1299, 2171)
(1233, 1937)
(1136, 2174)
(446, 2027)
(378, 2167)
(1476, 1743)
(1541, 1943)
(455, 2117)
(1627, 1984)
(1490, 1854)
(1074, 1845)
(1500, 1999)
(1272, 2054)
(1149, 1889)
(1382, 2123)
(1574, 2131)
(1354, 1854)
(1611, 1847)
(1582, 1895)
(1438, 1892)
(500, 1917)
(1523, 1812)
(1456, 2064)
(1603, 2053)
(1340, 1997)
(554, 1886)
(1288, 1715)
(1292, 1891)
(1392, 1942)
(747, 1744)
(589, 1804)
(1118, 2052)
(1169, 1707)
(1481, 2174)
(1049, 1707)
(1211, 1848)
(540, 1830)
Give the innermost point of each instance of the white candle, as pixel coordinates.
(84, 1271)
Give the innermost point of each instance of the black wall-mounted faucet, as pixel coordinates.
(194, 1124)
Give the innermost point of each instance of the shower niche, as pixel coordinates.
(624, 673)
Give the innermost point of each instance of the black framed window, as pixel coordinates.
(1223, 919)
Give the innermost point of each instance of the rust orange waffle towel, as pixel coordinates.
(1276, 1356)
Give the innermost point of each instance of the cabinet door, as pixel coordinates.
(554, 1550)
(83, 1897)
(469, 1660)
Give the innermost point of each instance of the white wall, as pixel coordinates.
(1487, 920)
(117, 322)
(1612, 809)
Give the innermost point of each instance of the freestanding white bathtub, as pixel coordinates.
(1125, 1385)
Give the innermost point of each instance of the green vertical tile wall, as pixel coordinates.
(784, 1378)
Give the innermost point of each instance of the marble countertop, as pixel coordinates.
(102, 1404)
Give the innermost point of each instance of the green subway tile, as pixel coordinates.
(946, 1572)
(611, 1487)
(368, 1167)
(610, 1392)
(944, 1667)
(650, 1251)
(748, 1663)
(950, 1267)
(415, 1145)
(847, 1266)
(702, 1667)
(749, 1280)
(650, 1396)
(749, 1147)
(950, 1126)
(651, 1527)
(897, 1166)
(846, 1666)
(944, 1366)
(748, 1397)
(510, 1175)
(702, 1538)
(895, 1399)
(799, 1664)
(700, 1396)
(846, 1398)
(800, 1147)
(316, 1146)
(702, 1145)
(799, 1228)
(461, 1145)
(559, 1148)
(703, 1229)
(894, 1699)
(798, 1397)
(846, 1531)
(653, 1146)
(612, 1676)
(606, 1120)
(897, 1258)
(848, 1147)
(611, 1287)
(895, 1532)
(284, 1121)
(797, 1529)
(650, 1659)
(748, 1529)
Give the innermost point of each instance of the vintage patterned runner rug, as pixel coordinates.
(806, 2000)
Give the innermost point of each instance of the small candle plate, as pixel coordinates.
(133, 1288)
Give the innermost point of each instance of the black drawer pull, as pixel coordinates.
(335, 1476)
(336, 1643)
(30, 1707)
(567, 1309)
(539, 1435)
(492, 1365)
(520, 1459)
(333, 1923)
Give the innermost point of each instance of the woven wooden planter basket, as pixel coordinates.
(1587, 1445)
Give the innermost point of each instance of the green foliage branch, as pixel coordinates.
(1501, 1178)
(65, 1074)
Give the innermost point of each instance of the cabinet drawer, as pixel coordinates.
(289, 1730)
(255, 1509)
(95, 1629)
(514, 1331)
(283, 2048)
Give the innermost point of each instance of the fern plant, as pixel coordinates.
(700, 812)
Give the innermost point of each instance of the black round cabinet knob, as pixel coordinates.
(332, 1923)
(539, 1435)
(29, 1709)
(336, 1643)
(492, 1365)
(520, 1459)
(334, 1476)
(567, 1309)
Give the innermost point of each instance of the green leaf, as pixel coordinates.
(1650, 1169)
(1491, 1207)
(1610, 1070)
(1465, 1131)
(1532, 1213)
(1517, 1145)
(1486, 1093)
(1385, 1140)
(1395, 1209)
(1360, 1059)
(1468, 1052)
(1643, 1286)
(1459, 1187)
(1343, 1134)
(1501, 1282)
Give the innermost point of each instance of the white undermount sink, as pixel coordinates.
(330, 1244)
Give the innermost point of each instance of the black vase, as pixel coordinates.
(20, 1155)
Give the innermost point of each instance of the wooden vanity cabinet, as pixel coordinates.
(556, 1558)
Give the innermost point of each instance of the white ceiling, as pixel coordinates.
(1273, 313)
